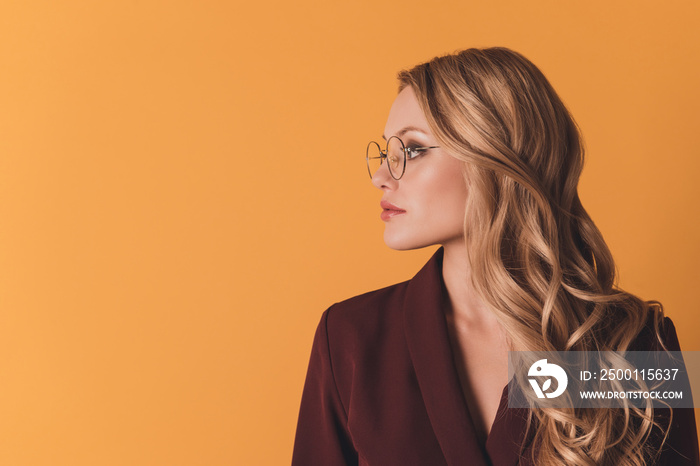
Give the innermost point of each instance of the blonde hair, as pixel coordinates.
(537, 258)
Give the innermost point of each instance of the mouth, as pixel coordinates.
(390, 210)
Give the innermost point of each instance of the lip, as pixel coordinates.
(389, 210)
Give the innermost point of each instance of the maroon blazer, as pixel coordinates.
(382, 389)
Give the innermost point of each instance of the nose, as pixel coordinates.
(382, 179)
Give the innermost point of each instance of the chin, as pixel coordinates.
(404, 243)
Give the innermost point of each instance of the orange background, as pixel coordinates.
(183, 192)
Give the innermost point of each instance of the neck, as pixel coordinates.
(466, 305)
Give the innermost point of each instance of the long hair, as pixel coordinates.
(537, 259)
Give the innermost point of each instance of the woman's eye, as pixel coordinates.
(413, 152)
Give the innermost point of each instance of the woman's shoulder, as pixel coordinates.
(366, 311)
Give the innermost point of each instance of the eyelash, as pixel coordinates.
(414, 151)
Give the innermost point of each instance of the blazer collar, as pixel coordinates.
(431, 353)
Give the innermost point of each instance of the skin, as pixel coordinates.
(433, 192)
(432, 179)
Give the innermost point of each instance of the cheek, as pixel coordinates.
(449, 207)
(449, 189)
(444, 197)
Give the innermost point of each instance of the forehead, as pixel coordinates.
(405, 112)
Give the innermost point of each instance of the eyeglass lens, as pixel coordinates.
(395, 155)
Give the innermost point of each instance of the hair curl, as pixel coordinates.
(537, 258)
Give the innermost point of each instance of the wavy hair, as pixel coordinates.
(537, 258)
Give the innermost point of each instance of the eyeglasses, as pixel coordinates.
(396, 154)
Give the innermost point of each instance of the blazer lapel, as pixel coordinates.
(429, 346)
(507, 434)
(428, 343)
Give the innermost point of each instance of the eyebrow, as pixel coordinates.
(406, 130)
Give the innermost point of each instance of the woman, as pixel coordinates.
(482, 158)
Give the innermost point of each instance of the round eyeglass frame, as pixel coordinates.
(383, 155)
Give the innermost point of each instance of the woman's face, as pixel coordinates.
(426, 206)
